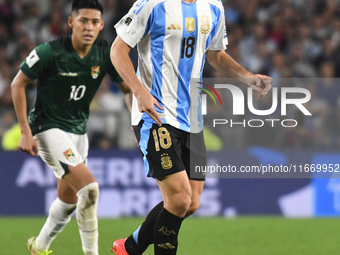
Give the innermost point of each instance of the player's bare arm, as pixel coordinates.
(127, 94)
(220, 60)
(122, 62)
(27, 142)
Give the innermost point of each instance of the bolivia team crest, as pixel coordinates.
(205, 24)
(69, 155)
(95, 71)
(190, 24)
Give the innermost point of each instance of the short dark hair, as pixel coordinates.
(87, 4)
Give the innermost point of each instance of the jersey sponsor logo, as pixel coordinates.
(32, 58)
(68, 74)
(95, 71)
(190, 24)
(69, 155)
(166, 161)
(205, 24)
(174, 26)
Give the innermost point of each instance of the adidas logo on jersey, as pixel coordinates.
(174, 26)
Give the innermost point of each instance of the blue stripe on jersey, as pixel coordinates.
(139, 6)
(137, 72)
(157, 33)
(143, 143)
(202, 66)
(215, 15)
(147, 26)
(185, 65)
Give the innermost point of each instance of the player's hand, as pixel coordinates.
(28, 144)
(261, 83)
(146, 104)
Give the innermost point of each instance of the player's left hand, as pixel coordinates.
(28, 144)
(261, 83)
(146, 103)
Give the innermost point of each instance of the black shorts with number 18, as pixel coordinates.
(167, 150)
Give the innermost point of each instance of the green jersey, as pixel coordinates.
(66, 83)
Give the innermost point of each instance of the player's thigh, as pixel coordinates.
(63, 152)
(196, 188)
(173, 184)
(196, 192)
(176, 192)
(161, 148)
(79, 176)
(66, 193)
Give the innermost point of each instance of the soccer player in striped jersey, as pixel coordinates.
(174, 38)
(69, 71)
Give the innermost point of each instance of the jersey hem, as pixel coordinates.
(35, 131)
(174, 124)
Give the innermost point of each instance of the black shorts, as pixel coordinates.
(167, 150)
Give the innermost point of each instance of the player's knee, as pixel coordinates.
(88, 200)
(195, 204)
(60, 211)
(181, 201)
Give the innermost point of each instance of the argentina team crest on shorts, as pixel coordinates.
(69, 155)
(95, 71)
(166, 161)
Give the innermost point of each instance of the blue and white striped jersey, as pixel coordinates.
(173, 37)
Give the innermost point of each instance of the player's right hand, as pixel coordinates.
(146, 104)
(28, 144)
(259, 82)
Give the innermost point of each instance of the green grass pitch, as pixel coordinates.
(198, 236)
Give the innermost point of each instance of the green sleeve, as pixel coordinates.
(38, 61)
(114, 75)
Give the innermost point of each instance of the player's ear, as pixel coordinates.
(70, 22)
(102, 25)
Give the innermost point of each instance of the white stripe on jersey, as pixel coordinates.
(198, 66)
(169, 70)
(172, 38)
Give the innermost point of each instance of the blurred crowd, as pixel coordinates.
(290, 40)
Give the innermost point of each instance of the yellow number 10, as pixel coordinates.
(164, 138)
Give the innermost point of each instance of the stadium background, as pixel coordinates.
(283, 39)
